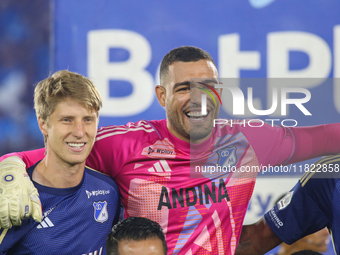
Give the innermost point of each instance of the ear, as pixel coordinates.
(42, 126)
(161, 94)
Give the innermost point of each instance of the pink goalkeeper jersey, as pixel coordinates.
(152, 169)
(200, 213)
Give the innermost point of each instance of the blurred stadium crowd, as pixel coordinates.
(24, 60)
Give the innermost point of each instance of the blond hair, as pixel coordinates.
(61, 85)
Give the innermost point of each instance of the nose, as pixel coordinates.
(197, 95)
(78, 130)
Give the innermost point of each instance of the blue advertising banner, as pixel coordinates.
(120, 44)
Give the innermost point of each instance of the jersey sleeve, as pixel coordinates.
(304, 210)
(276, 145)
(29, 157)
(315, 141)
(273, 145)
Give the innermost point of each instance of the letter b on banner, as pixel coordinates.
(101, 70)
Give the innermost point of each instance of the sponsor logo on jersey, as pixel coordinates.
(45, 223)
(160, 167)
(48, 211)
(227, 156)
(160, 149)
(97, 192)
(185, 197)
(285, 201)
(100, 211)
(150, 150)
(278, 223)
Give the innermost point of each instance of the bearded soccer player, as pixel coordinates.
(77, 218)
(150, 160)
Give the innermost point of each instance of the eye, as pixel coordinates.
(66, 119)
(88, 120)
(184, 89)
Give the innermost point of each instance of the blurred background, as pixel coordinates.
(120, 44)
(24, 61)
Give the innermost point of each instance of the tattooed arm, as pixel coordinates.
(257, 239)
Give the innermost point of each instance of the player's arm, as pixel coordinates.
(315, 141)
(275, 145)
(257, 239)
(307, 208)
(114, 146)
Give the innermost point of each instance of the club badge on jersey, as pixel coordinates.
(285, 201)
(100, 211)
(227, 156)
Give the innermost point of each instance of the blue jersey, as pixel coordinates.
(76, 220)
(314, 203)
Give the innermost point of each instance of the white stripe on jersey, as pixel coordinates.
(158, 167)
(49, 223)
(110, 129)
(165, 165)
(123, 132)
(2, 236)
(113, 127)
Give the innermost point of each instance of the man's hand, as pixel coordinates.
(19, 199)
(257, 239)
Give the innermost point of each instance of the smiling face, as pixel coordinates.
(70, 132)
(183, 102)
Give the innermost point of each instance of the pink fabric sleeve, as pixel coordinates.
(29, 157)
(315, 141)
(279, 145)
(273, 145)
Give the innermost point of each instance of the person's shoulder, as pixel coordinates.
(147, 125)
(100, 176)
(247, 126)
(31, 169)
(131, 128)
(326, 170)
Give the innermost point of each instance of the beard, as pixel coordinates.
(194, 131)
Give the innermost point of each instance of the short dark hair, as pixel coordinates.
(306, 252)
(183, 54)
(136, 229)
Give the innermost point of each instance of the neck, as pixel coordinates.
(184, 138)
(58, 174)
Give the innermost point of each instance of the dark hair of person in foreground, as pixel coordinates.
(306, 252)
(134, 229)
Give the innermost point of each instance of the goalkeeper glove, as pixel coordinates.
(19, 199)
